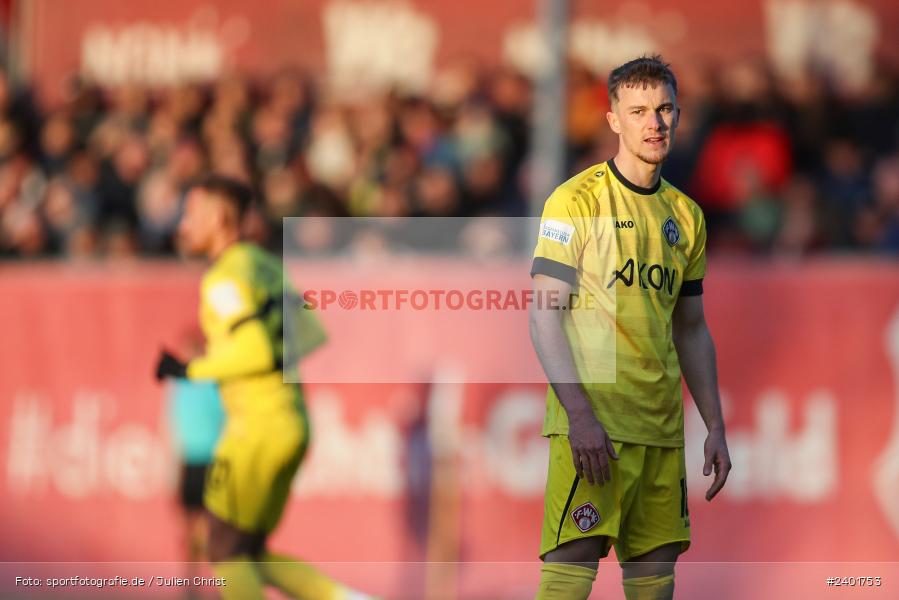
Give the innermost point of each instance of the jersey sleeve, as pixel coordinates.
(563, 232)
(229, 300)
(237, 343)
(695, 271)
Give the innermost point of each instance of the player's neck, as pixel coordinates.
(636, 171)
(222, 242)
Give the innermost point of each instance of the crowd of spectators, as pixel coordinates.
(784, 167)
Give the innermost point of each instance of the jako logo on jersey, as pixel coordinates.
(585, 517)
(657, 276)
(670, 231)
(556, 231)
(624, 224)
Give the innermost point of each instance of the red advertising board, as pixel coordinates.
(809, 370)
(170, 40)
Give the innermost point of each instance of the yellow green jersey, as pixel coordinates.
(633, 251)
(242, 314)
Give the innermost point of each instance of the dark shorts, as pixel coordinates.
(193, 479)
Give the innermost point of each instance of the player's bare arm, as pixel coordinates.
(696, 353)
(591, 446)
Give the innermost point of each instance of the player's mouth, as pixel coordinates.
(656, 141)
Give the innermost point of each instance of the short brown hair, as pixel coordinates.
(646, 70)
(229, 189)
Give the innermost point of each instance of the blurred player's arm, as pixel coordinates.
(238, 343)
(307, 333)
(590, 444)
(247, 350)
(696, 353)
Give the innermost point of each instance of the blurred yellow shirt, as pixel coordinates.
(242, 314)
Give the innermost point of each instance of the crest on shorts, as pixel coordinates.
(670, 231)
(585, 517)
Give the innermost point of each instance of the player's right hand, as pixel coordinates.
(591, 448)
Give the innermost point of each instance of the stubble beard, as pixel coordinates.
(656, 158)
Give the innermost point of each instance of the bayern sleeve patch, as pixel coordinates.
(557, 231)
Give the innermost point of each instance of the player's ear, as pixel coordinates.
(231, 214)
(218, 212)
(614, 122)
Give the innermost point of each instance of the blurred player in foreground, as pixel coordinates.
(619, 228)
(242, 314)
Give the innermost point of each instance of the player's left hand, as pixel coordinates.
(717, 458)
(169, 366)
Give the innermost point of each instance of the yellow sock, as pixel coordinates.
(242, 581)
(301, 580)
(561, 581)
(654, 587)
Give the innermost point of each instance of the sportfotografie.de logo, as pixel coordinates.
(442, 299)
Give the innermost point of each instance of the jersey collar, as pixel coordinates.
(645, 191)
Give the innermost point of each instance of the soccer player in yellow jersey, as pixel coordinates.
(242, 312)
(617, 473)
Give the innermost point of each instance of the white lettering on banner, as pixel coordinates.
(770, 462)
(133, 455)
(367, 459)
(89, 455)
(28, 427)
(598, 45)
(375, 45)
(84, 456)
(840, 36)
(886, 466)
(516, 455)
(159, 54)
(603, 46)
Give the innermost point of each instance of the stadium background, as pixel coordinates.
(789, 141)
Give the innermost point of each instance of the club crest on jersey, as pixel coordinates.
(585, 517)
(670, 231)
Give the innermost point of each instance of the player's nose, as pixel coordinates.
(659, 123)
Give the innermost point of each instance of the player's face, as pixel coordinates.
(202, 217)
(645, 119)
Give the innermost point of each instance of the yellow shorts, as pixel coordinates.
(255, 461)
(642, 508)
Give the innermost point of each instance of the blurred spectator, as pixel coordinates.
(878, 226)
(846, 189)
(780, 166)
(800, 227)
(57, 142)
(119, 241)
